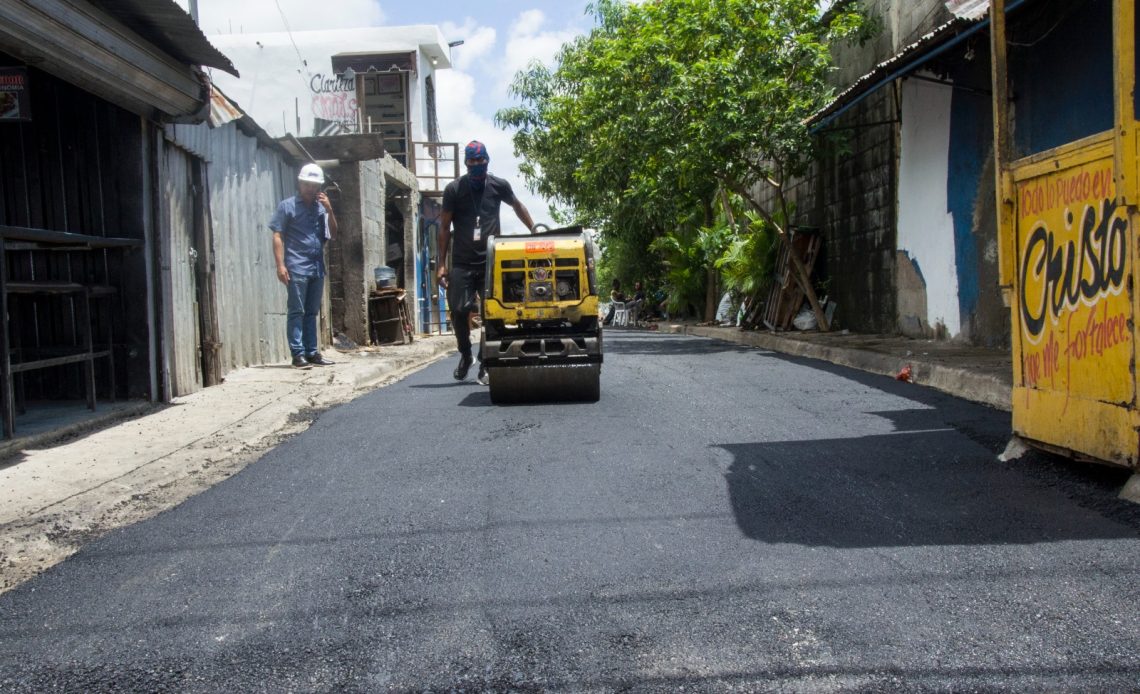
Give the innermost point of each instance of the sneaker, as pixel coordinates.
(460, 372)
(300, 362)
(316, 359)
(482, 377)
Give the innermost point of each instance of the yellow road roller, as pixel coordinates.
(542, 341)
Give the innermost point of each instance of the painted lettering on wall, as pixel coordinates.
(334, 98)
(1074, 308)
(1045, 195)
(1060, 271)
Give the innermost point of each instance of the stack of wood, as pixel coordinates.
(785, 296)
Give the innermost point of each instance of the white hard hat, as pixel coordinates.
(311, 173)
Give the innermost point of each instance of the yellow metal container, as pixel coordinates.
(1068, 238)
(1073, 314)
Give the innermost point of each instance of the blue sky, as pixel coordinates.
(500, 38)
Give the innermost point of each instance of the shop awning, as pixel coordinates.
(169, 28)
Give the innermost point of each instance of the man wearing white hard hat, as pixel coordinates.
(301, 226)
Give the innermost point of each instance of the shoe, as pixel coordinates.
(300, 362)
(482, 377)
(317, 359)
(460, 372)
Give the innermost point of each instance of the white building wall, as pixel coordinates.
(925, 225)
(279, 71)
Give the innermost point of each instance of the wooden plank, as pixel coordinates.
(47, 236)
(211, 341)
(1003, 188)
(78, 358)
(7, 397)
(45, 287)
(1127, 141)
(33, 145)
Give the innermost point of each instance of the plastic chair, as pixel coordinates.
(621, 314)
(633, 313)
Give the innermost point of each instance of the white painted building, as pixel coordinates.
(376, 79)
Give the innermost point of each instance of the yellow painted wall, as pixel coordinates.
(1074, 351)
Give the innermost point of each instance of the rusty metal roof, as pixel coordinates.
(913, 54)
(968, 9)
(222, 110)
(169, 28)
(970, 16)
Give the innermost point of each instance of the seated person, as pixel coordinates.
(636, 303)
(617, 296)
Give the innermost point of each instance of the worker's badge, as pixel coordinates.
(478, 228)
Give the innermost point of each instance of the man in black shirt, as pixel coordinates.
(472, 204)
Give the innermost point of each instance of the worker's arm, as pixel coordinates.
(279, 255)
(443, 243)
(324, 200)
(523, 214)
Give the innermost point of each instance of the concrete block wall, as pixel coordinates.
(849, 194)
(855, 193)
(357, 248)
(399, 178)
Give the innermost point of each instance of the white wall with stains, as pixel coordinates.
(925, 225)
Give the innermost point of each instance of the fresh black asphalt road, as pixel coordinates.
(724, 519)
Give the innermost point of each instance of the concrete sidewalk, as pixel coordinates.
(972, 373)
(55, 495)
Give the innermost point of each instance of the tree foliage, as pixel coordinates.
(665, 105)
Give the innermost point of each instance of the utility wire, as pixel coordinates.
(288, 30)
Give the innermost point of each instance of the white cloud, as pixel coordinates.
(527, 41)
(253, 16)
(477, 85)
(460, 121)
(478, 42)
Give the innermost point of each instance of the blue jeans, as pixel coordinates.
(304, 306)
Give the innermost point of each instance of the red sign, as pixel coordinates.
(539, 246)
(15, 102)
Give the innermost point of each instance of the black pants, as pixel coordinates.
(465, 284)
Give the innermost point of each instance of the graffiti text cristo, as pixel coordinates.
(1058, 277)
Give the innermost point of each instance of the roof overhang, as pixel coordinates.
(138, 54)
(165, 24)
(371, 61)
(970, 17)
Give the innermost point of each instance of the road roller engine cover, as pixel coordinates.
(541, 337)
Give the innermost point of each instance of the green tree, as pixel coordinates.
(666, 105)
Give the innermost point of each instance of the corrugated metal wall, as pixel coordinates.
(182, 361)
(246, 181)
